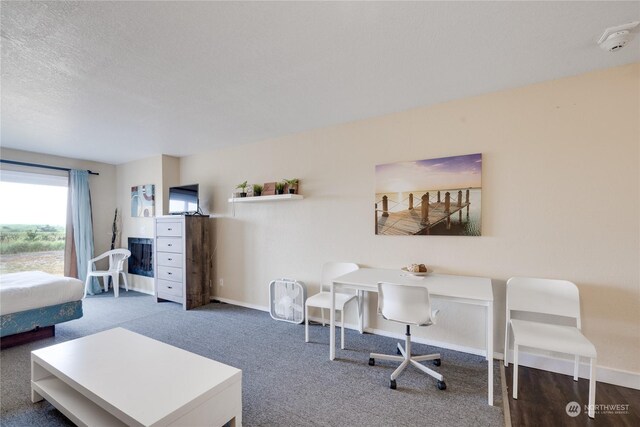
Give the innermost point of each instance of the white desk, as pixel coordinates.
(462, 289)
(118, 378)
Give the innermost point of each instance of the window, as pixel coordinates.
(33, 216)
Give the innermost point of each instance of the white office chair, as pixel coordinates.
(550, 297)
(116, 268)
(409, 305)
(322, 300)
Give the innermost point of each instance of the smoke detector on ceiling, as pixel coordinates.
(615, 38)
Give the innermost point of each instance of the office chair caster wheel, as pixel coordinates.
(372, 361)
(437, 362)
(442, 385)
(392, 384)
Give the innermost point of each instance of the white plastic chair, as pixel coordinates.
(116, 268)
(322, 300)
(550, 297)
(409, 305)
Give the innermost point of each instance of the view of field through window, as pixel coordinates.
(32, 226)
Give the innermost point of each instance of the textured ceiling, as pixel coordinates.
(119, 81)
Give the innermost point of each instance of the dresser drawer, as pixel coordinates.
(169, 229)
(170, 273)
(169, 259)
(169, 244)
(171, 288)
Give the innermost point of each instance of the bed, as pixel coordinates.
(33, 302)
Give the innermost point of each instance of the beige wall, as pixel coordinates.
(170, 178)
(560, 200)
(163, 172)
(561, 190)
(103, 188)
(140, 172)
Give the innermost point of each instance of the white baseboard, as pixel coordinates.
(547, 363)
(565, 366)
(419, 340)
(142, 291)
(241, 304)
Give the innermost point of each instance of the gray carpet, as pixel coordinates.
(285, 381)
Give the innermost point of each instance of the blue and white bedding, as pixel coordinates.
(25, 321)
(33, 298)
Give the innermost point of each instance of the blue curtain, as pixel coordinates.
(82, 224)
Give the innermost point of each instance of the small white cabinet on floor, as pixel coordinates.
(182, 260)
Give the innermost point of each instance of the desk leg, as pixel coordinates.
(490, 350)
(332, 324)
(361, 311)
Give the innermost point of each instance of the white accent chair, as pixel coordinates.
(409, 305)
(322, 300)
(116, 268)
(548, 297)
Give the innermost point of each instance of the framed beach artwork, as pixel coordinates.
(143, 200)
(429, 197)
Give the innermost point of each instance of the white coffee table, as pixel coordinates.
(118, 377)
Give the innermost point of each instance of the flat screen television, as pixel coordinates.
(183, 200)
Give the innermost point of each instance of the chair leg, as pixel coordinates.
(116, 284)
(400, 368)
(592, 388)
(306, 323)
(360, 302)
(426, 357)
(426, 370)
(407, 359)
(124, 277)
(506, 345)
(401, 350)
(407, 343)
(86, 285)
(342, 330)
(105, 283)
(393, 358)
(576, 367)
(515, 371)
(322, 315)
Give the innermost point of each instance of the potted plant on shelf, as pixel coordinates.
(279, 187)
(257, 190)
(243, 188)
(293, 185)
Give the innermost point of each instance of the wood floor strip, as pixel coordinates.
(543, 397)
(505, 396)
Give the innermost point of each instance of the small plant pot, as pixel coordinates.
(279, 191)
(243, 194)
(257, 194)
(292, 191)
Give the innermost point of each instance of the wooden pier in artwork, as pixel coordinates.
(421, 217)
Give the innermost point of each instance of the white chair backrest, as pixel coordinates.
(117, 258)
(405, 303)
(331, 270)
(544, 296)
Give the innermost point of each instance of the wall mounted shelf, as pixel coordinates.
(274, 198)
